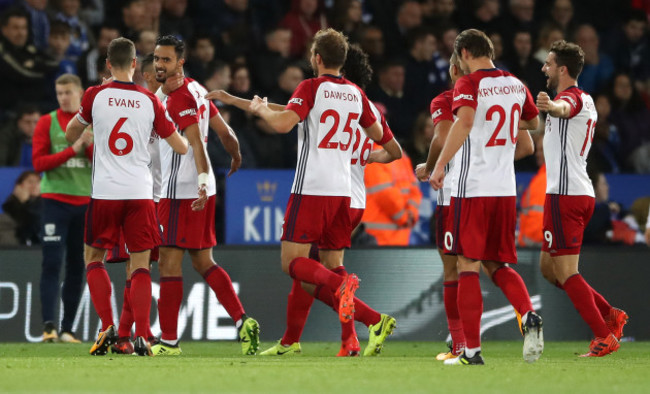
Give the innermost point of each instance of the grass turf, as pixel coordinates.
(402, 367)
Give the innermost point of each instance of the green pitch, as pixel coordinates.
(404, 367)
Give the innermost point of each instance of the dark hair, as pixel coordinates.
(171, 41)
(58, 27)
(332, 46)
(214, 66)
(383, 67)
(146, 62)
(569, 55)
(476, 42)
(636, 15)
(417, 34)
(13, 12)
(121, 52)
(356, 67)
(24, 175)
(194, 41)
(26, 109)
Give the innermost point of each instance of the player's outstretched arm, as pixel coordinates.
(177, 143)
(525, 145)
(241, 103)
(457, 135)
(557, 108)
(281, 121)
(74, 130)
(390, 151)
(440, 133)
(228, 140)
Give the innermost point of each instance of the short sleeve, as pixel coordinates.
(367, 118)
(574, 100)
(388, 133)
(464, 94)
(529, 110)
(440, 108)
(302, 99)
(85, 114)
(214, 111)
(182, 109)
(161, 124)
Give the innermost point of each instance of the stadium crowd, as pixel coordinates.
(249, 47)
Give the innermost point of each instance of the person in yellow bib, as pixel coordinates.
(65, 188)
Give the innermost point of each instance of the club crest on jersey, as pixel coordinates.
(464, 97)
(296, 100)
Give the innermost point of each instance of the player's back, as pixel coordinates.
(186, 106)
(567, 143)
(500, 100)
(326, 134)
(123, 116)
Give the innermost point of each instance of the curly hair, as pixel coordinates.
(356, 67)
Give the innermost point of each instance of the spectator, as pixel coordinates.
(240, 86)
(409, 16)
(94, 60)
(447, 38)
(389, 92)
(346, 16)
(418, 146)
(424, 80)
(521, 17)
(629, 47)
(175, 21)
(522, 63)
(484, 15)
(92, 12)
(24, 207)
(16, 138)
(153, 12)
(392, 201)
(497, 42)
(631, 117)
(598, 68)
(146, 43)
(305, 18)
(66, 193)
(562, 16)
(58, 45)
(38, 21)
(437, 12)
(22, 66)
(200, 56)
(371, 40)
(134, 19)
(606, 142)
(80, 39)
(274, 58)
(547, 36)
(217, 78)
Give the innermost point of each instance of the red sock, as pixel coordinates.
(450, 296)
(347, 329)
(470, 307)
(126, 317)
(582, 297)
(141, 301)
(220, 283)
(362, 312)
(601, 303)
(311, 271)
(169, 305)
(99, 285)
(514, 288)
(298, 305)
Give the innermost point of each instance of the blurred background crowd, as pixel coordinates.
(261, 47)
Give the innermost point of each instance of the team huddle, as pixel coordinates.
(152, 200)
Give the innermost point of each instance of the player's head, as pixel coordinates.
(564, 61)
(328, 50)
(121, 55)
(168, 57)
(148, 73)
(472, 44)
(68, 92)
(455, 72)
(356, 67)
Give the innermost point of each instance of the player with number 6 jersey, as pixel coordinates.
(570, 123)
(123, 116)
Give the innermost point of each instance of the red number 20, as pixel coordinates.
(515, 114)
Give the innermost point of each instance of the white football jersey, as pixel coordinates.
(123, 116)
(331, 109)
(486, 167)
(567, 143)
(187, 106)
(155, 165)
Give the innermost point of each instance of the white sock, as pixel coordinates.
(471, 352)
(172, 342)
(524, 318)
(238, 323)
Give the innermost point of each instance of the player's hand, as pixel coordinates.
(21, 193)
(544, 102)
(421, 172)
(257, 103)
(173, 82)
(436, 180)
(199, 203)
(235, 163)
(220, 95)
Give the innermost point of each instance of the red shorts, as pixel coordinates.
(355, 217)
(442, 227)
(184, 228)
(565, 219)
(119, 253)
(484, 228)
(136, 219)
(321, 219)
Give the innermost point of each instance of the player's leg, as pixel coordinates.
(170, 299)
(140, 299)
(450, 299)
(74, 273)
(99, 285)
(123, 344)
(220, 282)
